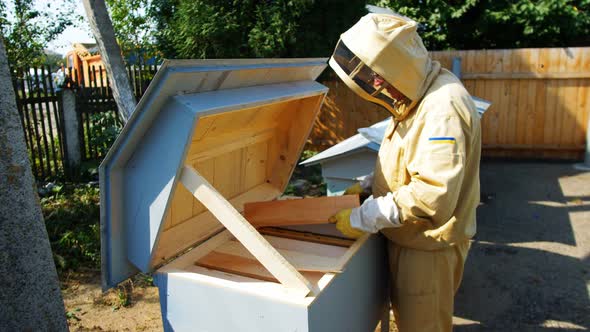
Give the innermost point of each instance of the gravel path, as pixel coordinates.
(529, 266)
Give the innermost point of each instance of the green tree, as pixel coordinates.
(251, 28)
(28, 27)
(475, 24)
(53, 59)
(134, 28)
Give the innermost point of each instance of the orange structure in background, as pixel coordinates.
(85, 65)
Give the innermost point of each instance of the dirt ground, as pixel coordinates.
(528, 270)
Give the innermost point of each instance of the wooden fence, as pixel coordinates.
(40, 113)
(540, 106)
(97, 110)
(540, 102)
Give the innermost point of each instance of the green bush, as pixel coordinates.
(72, 219)
(104, 129)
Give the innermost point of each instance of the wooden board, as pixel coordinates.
(242, 266)
(308, 211)
(242, 230)
(306, 236)
(246, 267)
(314, 261)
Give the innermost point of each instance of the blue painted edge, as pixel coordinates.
(108, 280)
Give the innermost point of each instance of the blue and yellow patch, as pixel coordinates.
(442, 140)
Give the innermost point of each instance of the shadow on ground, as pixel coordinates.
(528, 269)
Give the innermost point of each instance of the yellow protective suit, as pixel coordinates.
(429, 160)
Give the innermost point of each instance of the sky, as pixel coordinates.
(79, 34)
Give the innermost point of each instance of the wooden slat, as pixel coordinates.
(529, 93)
(305, 236)
(256, 162)
(242, 230)
(570, 97)
(203, 225)
(207, 170)
(512, 116)
(551, 99)
(181, 206)
(307, 211)
(505, 96)
(304, 246)
(493, 93)
(302, 261)
(245, 267)
(236, 265)
(38, 107)
(560, 111)
(239, 142)
(540, 99)
(583, 105)
(228, 172)
(467, 67)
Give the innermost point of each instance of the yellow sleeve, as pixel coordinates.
(435, 161)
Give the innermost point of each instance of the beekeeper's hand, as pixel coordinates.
(342, 221)
(361, 188)
(355, 189)
(371, 217)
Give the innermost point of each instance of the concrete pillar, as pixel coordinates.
(72, 140)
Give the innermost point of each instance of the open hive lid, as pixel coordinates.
(231, 131)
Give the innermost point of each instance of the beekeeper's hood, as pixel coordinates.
(388, 46)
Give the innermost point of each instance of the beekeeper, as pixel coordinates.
(426, 181)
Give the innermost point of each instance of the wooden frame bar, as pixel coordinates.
(308, 211)
(269, 257)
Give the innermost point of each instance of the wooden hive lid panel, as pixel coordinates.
(235, 135)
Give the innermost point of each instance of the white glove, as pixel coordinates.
(375, 214)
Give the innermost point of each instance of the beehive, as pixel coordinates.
(208, 137)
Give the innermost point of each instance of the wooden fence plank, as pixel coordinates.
(505, 96)
(526, 109)
(466, 67)
(570, 99)
(524, 56)
(493, 92)
(46, 109)
(540, 99)
(560, 107)
(551, 98)
(582, 101)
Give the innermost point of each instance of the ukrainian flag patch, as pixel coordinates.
(442, 140)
